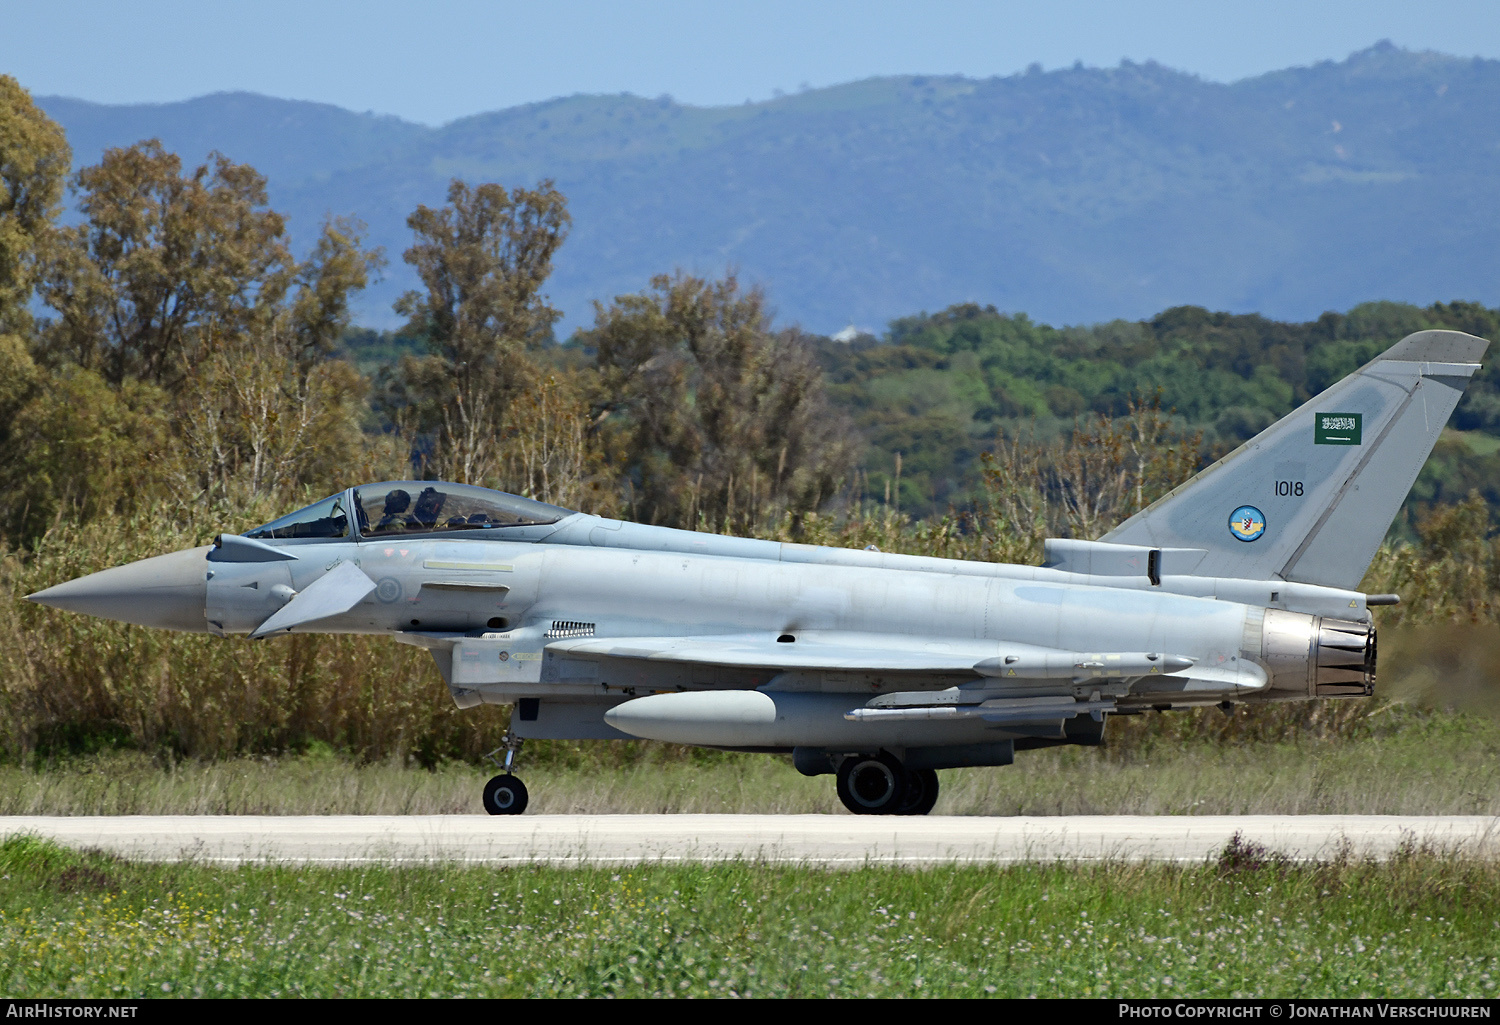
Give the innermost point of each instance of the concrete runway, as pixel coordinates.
(839, 840)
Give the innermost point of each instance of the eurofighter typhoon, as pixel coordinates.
(1239, 586)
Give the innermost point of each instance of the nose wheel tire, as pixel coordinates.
(872, 784)
(505, 795)
(921, 792)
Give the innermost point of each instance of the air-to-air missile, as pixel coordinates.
(1240, 586)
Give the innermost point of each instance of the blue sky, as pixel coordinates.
(443, 59)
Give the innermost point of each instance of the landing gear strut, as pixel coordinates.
(506, 794)
(879, 784)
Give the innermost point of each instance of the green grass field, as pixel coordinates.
(87, 925)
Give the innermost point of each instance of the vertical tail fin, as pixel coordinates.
(1310, 498)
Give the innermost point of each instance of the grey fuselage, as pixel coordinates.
(595, 628)
(473, 599)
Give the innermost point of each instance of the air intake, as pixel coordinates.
(567, 628)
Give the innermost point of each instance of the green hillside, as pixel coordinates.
(939, 388)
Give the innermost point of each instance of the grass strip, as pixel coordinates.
(1250, 924)
(1433, 764)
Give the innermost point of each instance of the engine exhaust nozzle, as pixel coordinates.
(1318, 656)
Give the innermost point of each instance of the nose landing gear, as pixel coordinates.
(506, 794)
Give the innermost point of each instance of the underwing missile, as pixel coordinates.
(1083, 665)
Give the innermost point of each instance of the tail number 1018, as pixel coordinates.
(1289, 487)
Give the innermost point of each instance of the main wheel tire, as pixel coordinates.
(505, 795)
(872, 784)
(921, 792)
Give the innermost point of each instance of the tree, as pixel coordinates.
(267, 408)
(722, 421)
(164, 264)
(482, 259)
(34, 160)
(178, 296)
(1082, 486)
(549, 450)
(81, 449)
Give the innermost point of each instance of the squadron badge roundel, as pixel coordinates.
(1247, 523)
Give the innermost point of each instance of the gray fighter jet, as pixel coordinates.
(878, 669)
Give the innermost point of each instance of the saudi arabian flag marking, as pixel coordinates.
(1337, 428)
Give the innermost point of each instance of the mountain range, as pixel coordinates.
(1076, 196)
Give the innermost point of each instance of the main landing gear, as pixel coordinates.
(506, 794)
(879, 784)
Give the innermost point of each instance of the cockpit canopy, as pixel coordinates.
(410, 507)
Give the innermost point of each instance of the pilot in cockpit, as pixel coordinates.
(425, 513)
(394, 516)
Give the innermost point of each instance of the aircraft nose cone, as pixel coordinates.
(167, 592)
